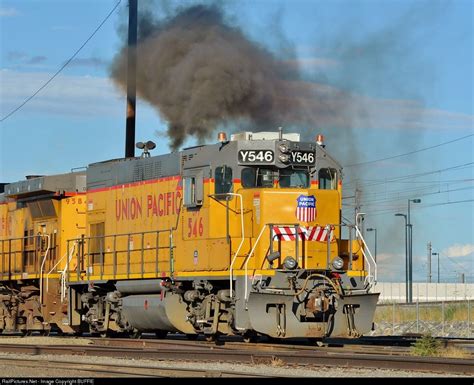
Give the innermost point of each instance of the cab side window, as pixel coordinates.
(327, 179)
(189, 191)
(249, 176)
(223, 180)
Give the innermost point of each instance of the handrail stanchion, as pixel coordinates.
(142, 254)
(128, 256)
(371, 280)
(247, 259)
(157, 243)
(171, 253)
(231, 267)
(328, 246)
(101, 244)
(115, 256)
(297, 251)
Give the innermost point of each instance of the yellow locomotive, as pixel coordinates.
(241, 237)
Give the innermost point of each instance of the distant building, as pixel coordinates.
(425, 292)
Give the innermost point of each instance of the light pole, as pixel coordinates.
(406, 255)
(375, 249)
(438, 263)
(410, 252)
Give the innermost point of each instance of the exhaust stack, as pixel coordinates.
(131, 80)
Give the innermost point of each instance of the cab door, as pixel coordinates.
(200, 251)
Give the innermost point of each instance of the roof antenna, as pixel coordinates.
(280, 133)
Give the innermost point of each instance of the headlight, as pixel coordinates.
(338, 263)
(284, 157)
(284, 147)
(290, 263)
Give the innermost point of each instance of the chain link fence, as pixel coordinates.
(439, 319)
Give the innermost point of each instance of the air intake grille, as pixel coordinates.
(148, 170)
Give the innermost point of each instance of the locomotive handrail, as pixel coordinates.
(81, 253)
(68, 252)
(247, 259)
(13, 253)
(231, 268)
(370, 280)
(42, 266)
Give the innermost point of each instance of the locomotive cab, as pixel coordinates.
(299, 267)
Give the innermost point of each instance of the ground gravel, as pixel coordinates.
(8, 370)
(45, 340)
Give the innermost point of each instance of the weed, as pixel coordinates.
(426, 346)
(277, 362)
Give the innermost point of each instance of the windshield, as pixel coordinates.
(266, 177)
(294, 178)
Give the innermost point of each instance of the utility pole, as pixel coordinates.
(437, 254)
(410, 251)
(406, 256)
(429, 262)
(131, 79)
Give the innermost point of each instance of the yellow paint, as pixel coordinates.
(24, 239)
(134, 225)
(131, 225)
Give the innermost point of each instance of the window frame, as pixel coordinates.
(220, 194)
(333, 182)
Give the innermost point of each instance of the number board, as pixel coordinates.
(302, 157)
(256, 156)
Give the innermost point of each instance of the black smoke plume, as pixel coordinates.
(200, 72)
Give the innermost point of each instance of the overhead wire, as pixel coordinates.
(420, 174)
(63, 66)
(409, 153)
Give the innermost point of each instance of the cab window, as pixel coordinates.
(258, 177)
(223, 180)
(189, 191)
(294, 178)
(327, 179)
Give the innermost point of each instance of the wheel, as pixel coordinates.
(249, 336)
(135, 334)
(211, 337)
(192, 337)
(317, 341)
(161, 334)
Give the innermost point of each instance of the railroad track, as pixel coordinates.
(295, 357)
(120, 370)
(232, 345)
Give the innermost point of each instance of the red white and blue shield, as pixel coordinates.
(306, 208)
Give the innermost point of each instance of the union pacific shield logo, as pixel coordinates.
(306, 208)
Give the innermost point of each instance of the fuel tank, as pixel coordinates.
(146, 312)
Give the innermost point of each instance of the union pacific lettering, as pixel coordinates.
(157, 205)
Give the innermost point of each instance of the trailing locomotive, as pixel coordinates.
(241, 237)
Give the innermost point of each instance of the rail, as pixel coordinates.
(91, 248)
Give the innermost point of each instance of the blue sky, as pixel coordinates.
(408, 66)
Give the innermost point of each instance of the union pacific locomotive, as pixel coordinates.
(241, 237)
